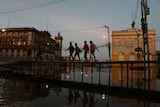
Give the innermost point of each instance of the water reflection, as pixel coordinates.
(134, 76)
(76, 85)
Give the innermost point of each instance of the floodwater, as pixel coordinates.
(73, 87)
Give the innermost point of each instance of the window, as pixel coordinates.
(132, 57)
(121, 56)
(8, 42)
(19, 42)
(116, 42)
(129, 42)
(123, 42)
(13, 42)
(150, 42)
(136, 42)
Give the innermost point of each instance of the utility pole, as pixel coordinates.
(145, 12)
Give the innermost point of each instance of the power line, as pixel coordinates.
(136, 12)
(74, 30)
(11, 10)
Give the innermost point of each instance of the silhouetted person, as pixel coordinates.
(77, 51)
(86, 49)
(39, 53)
(84, 99)
(93, 47)
(92, 102)
(76, 95)
(29, 52)
(71, 50)
(70, 96)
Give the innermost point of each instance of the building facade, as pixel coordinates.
(23, 44)
(127, 45)
(124, 43)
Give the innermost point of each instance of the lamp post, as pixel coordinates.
(109, 45)
(109, 52)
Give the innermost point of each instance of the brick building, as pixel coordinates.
(16, 43)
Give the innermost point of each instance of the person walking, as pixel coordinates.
(93, 47)
(86, 49)
(29, 52)
(39, 52)
(77, 51)
(71, 50)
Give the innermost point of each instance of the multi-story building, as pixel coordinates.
(124, 43)
(125, 46)
(18, 42)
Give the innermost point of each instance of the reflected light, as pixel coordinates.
(47, 43)
(81, 72)
(68, 76)
(103, 97)
(46, 86)
(86, 74)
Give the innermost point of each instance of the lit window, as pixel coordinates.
(19, 42)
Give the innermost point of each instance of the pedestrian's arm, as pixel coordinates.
(82, 49)
(96, 48)
(67, 49)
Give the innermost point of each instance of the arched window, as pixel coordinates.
(121, 56)
(132, 57)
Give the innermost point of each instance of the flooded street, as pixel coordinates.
(75, 87)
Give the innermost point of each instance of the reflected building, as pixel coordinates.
(127, 45)
(18, 43)
(124, 48)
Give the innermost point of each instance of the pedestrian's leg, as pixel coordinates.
(86, 59)
(78, 57)
(74, 57)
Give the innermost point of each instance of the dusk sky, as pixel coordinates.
(78, 20)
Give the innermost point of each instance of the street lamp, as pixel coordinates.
(3, 30)
(109, 45)
(109, 51)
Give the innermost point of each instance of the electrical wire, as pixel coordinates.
(11, 10)
(74, 30)
(136, 12)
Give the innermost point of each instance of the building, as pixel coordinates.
(23, 44)
(127, 45)
(124, 43)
